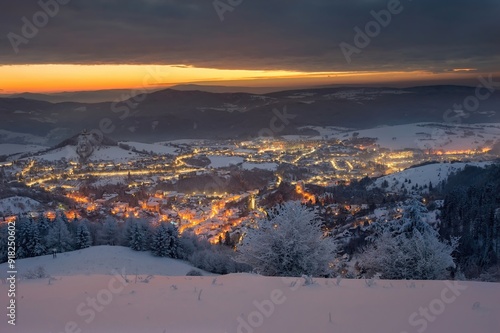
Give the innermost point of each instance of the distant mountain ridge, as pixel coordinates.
(112, 95)
(97, 96)
(229, 89)
(173, 114)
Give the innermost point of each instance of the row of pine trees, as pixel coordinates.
(37, 237)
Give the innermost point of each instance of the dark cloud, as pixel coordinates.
(272, 34)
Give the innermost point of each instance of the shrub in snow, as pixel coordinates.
(194, 272)
(189, 243)
(289, 243)
(491, 275)
(36, 273)
(203, 255)
(147, 278)
(308, 280)
(410, 249)
(370, 282)
(215, 261)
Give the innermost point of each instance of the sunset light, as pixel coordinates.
(51, 78)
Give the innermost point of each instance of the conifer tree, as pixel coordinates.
(83, 237)
(58, 237)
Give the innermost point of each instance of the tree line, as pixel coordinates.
(471, 211)
(40, 236)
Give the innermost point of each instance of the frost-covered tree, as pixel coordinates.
(59, 237)
(38, 242)
(43, 225)
(83, 236)
(215, 259)
(165, 241)
(173, 240)
(110, 233)
(4, 235)
(137, 235)
(23, 235)
(29, 241)
(189, 243)
(410, 249)
(289, 243)
(137, 238)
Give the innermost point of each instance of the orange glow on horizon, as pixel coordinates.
(59, 78)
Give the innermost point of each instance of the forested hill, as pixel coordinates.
(471, 211)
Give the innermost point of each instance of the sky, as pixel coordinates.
(68, 45)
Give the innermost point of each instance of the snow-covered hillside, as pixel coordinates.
(224, 161)
(106, 302)
(419, 136)
(264, 166)
(155, 148)
(181, 142)
(13, 148)
(432, 136)
(18, 205)
(106, 153)
(101, 260)
(423, 176)
(21, 138)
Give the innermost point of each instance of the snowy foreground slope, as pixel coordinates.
(244, 303)
(101, 260)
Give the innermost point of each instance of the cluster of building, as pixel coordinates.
(301, 162)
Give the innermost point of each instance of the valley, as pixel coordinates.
(216, 188)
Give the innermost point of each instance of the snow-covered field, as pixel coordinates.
(103, 181)
(13, 148)
(226, 107)
(430, 135)
(327, 130)
(155, 148)
(107, 153)
(181, 142)
(218, 161)
(423, 175)
(105, 302)
(18, 205)
(264, 166)
(100, 260)
(21, 138)
(362, 94)
(417, 136)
